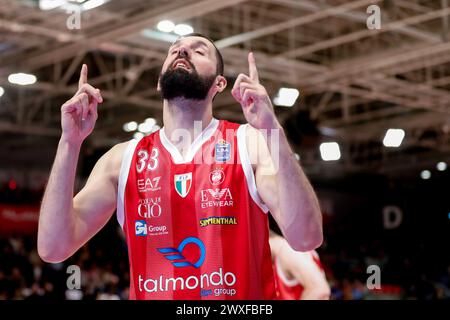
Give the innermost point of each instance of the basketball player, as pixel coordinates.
(191, 198)
(298, 275)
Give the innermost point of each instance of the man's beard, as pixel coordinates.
(181, 83)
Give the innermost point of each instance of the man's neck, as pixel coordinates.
(185, 115)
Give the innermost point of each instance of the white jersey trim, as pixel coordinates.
(247, 167)
(193, 148)
(286, 281)
(127, 157)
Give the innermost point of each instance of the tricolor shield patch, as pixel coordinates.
(183, 183)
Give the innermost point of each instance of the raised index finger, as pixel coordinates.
(253, 71)
(83, 76)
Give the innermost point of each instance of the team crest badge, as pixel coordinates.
(216, 177)
(183, 183)
(223, 151)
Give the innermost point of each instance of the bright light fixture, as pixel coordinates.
(393, 137)
(425, 174)
(50, 4)
(329, 151)
(130, 126)
(441, 166)
(166, 26)
(82, 5)
(2, 91)
(22, 79)
(91, 4)
(150, 121)
(286, 97)
(183, 29)
(145, 127)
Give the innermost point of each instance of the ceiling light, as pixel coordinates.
(50, 4)
(145, 127)
(150, 121)
(130, 126)
(441, 166)
(286, 97)
(183, 29)
(425, 174)
(22, 78)
(393, 137)
(166, 26)
(329, 151)
(91, 4)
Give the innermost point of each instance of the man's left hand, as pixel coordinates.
(253, 97)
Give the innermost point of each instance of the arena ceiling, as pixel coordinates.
(354, 82)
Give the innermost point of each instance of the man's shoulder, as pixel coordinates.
(117, 150)
(114, 156)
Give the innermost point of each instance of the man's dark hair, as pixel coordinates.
(219, 58)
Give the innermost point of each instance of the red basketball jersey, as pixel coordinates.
(291, 289)
(195, 227)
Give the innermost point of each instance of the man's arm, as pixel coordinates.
(301, 266)
(65, 222)
(286, 190)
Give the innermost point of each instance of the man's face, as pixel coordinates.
(189, 70)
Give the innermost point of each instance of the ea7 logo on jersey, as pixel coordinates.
(216, 198)
(140, 228)
(148, 184)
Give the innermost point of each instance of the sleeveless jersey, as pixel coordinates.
(290, 289)
(195, 227)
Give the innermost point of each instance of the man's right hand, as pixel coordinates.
(79, 114)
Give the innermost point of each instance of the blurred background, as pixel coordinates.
(365, 107)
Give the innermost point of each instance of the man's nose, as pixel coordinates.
(183, 52)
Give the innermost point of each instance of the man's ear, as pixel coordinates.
(158, 86)
(221, 83)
